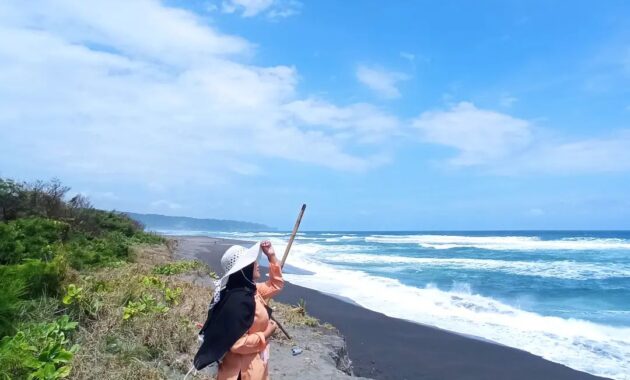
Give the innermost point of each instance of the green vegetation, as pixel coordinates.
(87, 294)
(183, 266)
(297, 315)
(154, 221)
(81, 286)
(38, 351)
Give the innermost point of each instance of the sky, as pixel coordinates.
(401, 115)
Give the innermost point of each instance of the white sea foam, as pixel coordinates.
(501, 242)
(586, 346)
(344, 238)
(556, 269)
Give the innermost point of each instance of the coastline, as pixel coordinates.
(382, 347)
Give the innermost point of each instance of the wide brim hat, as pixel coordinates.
(236, 258)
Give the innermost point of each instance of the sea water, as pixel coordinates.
(564, 296)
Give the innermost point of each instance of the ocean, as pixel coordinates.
(564, 296)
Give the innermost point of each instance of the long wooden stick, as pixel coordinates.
(295, 228)
(281, 328)
(284, 258)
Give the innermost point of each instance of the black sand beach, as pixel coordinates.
(388, 348)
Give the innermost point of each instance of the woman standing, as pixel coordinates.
(239, 326)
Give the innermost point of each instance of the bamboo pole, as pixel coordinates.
(295, 229)
(284, 258)
(281, 328)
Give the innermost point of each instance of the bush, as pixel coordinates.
(147, 238)
(30, 238)
(96, 223)
(10, 304)
(38, 277)
(177, 267)
(85, 252)
(12, 199)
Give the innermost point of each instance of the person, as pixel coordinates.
(238, 328)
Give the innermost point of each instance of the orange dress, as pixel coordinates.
(248, 355)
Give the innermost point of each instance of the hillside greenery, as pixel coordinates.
(64, 266)
(163, 222)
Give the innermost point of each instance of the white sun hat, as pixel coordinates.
(236, 258)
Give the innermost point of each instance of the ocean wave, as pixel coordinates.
(344, 238)
(501, 242)
(556, 269)
(586, 346)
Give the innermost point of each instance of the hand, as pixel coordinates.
(271, 328)
(267, 248)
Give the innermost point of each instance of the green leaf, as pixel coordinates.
(63, 371)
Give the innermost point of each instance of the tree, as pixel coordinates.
(12, 199)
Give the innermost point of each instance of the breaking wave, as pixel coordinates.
(501, 242)
(587, 346)
(557, 269)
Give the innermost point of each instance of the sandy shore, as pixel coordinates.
(388, 348)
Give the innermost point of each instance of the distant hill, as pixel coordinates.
(163, 222)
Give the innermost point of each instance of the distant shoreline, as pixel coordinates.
(382, 347)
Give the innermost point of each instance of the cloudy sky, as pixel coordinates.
(379, 115)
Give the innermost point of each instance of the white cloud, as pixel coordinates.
(138, 29)
(504, 144)
(361, 121)
(603, 154)
(381, 81)
(480, 136)
(146, 92)
(274, 9)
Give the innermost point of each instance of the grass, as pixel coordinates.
(154, 344)
(183, 266)
(295, 314)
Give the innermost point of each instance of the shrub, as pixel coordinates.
(177, 267)
(12, 199)
(38, 277)
(30, 238)
(96, 223)
(141, 237)
(10, 304)
(85, 252)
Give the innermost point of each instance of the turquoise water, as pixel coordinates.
(561, 295)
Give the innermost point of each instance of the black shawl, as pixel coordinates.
(229, 319)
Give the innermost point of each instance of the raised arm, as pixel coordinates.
(275, 283)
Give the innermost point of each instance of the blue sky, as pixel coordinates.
(380, 116)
